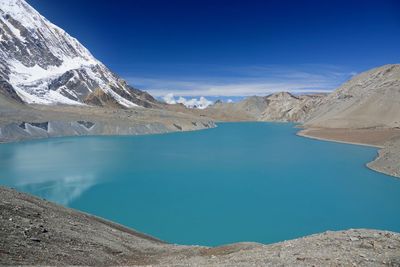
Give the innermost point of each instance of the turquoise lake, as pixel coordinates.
(237, 182)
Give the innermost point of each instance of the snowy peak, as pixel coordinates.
(195, 103)
(23, 25)
(45, 65)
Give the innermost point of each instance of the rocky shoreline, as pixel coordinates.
(22, 131)
(388, 159)
(387, 140)
(34, 231)
(20, 122)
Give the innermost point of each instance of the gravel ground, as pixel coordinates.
(388, 160)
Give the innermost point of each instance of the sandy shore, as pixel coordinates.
(387, 140)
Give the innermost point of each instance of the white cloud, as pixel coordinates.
(169, 98)
(247, 81)
(200, 103)
(239, 89)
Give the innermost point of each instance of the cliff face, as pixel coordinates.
(40, 63)
(370, 99)
(287, 107)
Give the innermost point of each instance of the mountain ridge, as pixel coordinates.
(45, 65)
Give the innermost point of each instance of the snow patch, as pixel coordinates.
(21, 74)
(48, 98)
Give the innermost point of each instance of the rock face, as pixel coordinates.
(370, 99)
(43, 64)
(282, 107)
(36, 232)
(8, 91)
(287, 107)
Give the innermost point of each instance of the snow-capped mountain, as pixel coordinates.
(41, 63)
(200, 103)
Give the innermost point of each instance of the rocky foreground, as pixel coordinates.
(36, 232)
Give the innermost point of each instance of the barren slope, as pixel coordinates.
(370, 99)
(281, 107)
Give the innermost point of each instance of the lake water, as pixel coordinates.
(238, 182)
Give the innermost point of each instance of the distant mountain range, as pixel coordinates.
(42, 64)
(282, 107)
(370, 99)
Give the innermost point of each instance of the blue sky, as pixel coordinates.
(232, 48)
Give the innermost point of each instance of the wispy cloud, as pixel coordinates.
(247, 80)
